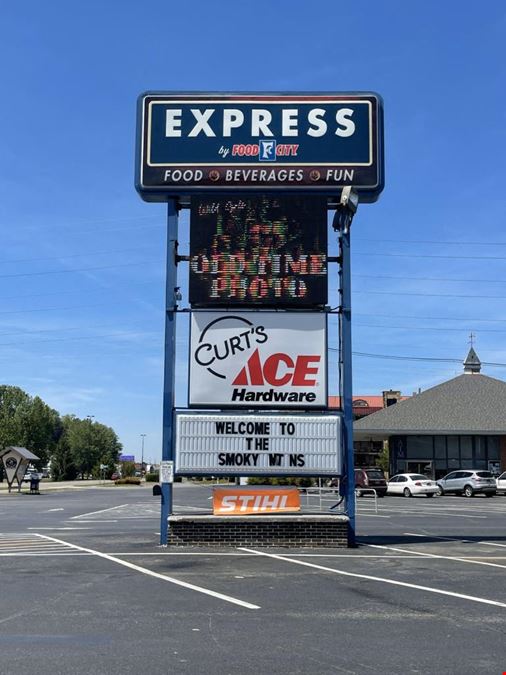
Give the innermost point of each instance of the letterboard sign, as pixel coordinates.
(221, 444)
(303, 142)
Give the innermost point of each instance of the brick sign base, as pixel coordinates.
(322, 531)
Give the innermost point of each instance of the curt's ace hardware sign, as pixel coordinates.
(258, 360)
(201, 142)
(221, 444)
(258, 250)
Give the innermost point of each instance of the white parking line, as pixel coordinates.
(93, 513)
(386, 556)
(156, 575)
(423, 513)
(101, 520)
(434, 555)
(404, 584)
(59, 529)
(463, 541)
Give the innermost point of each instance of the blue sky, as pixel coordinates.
(82, 257)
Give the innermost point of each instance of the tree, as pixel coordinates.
(62, 462)
(73, 445)
(90, 444)
(12, 400)
(127, 469)
(27, 422)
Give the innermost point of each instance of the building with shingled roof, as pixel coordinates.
(459, 424)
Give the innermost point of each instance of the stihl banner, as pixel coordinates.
(241, 501)
(258, 360)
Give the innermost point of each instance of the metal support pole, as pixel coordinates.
(143, 436)
(346, 376)
(169, 365)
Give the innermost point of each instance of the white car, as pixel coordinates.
(409, 484)
(500, 481)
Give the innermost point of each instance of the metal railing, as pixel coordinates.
(374, 493)
(328, 498)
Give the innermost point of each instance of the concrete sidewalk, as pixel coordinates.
(47, 486)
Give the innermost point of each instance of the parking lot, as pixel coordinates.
(86, 589)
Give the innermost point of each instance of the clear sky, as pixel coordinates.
(82, 257)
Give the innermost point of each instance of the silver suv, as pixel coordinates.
(468, 482)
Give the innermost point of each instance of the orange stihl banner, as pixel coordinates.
(241, 501)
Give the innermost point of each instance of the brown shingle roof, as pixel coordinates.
(467, 404)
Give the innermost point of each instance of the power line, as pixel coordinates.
(76, 255)
(423, 328)
(78, 269)
(430, 359)
(431, 318)
(412, 278)
(433, 295)
(69, 226)
(431, 241)
(54, 309)
(423, 255)
(73, 292)
(62, 329)
(78, 337)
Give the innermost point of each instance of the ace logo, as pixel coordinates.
(279, 370)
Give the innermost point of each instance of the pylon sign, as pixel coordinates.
(261, 142)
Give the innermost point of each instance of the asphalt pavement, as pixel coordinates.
(85, 588)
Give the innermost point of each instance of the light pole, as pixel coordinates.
(89, 419)
(143, 436)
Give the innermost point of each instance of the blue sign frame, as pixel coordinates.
(205, 142)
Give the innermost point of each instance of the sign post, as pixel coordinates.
(346, 378)
(169, 364)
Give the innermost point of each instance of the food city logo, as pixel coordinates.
(254, 373)
(264, 150)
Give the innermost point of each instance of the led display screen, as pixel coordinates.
(262, 251)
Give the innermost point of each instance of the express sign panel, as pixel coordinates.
(221, 444)
(224, 142)
(258, 360)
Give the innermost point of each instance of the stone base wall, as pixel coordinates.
(325, 531)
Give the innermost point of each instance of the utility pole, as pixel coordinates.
(143, 436)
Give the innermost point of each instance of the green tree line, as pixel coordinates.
(72, 446)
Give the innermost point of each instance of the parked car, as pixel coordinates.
(468, 483)
(409, 484)
(370, 478)
(500, 483)
(115, 476)
(31, 474)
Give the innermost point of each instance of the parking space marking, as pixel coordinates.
(385, 556)
(435, 555)
(101, 520)
(58, 529)
(393, 582)
(423, 513)
(463, 541)
(94, 513)
(156, 575)
(29, 545)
